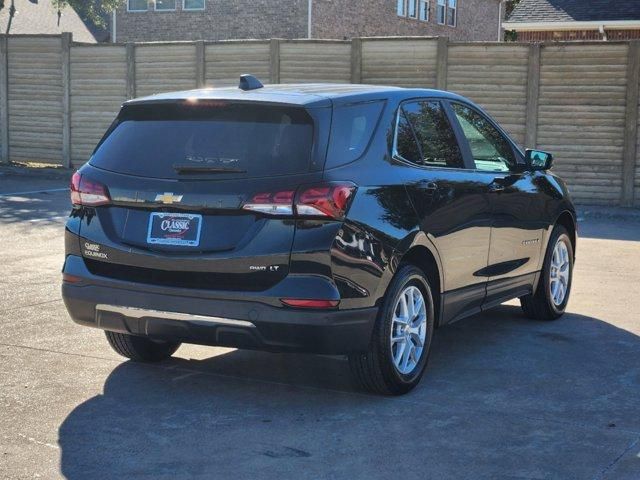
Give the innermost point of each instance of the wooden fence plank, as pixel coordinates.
(4, 100)
(631, 125)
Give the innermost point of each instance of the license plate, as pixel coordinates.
(174, 229)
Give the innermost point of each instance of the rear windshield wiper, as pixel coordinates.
(181, 168)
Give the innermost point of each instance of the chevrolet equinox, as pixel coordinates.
(333, 219)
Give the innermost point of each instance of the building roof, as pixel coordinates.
(529, 11)
(40, 17)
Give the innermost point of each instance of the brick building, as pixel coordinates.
(165, 20)
(561, 20)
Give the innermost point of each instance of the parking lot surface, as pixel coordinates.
(503, 398)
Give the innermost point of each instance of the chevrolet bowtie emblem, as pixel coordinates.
(168, 198)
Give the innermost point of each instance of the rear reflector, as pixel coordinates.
(70, 278)
(300, 303)
(87, 192)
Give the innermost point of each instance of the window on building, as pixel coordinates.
(138, 5)
(193, 5)
(402, 8)
(162, 5)
(452, 16)
(413, 8)
(441, 13)
(423, 10)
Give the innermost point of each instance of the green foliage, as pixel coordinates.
(509, 6)
(95, 11)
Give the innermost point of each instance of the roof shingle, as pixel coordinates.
(575, 10)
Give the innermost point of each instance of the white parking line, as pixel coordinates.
(17, 194)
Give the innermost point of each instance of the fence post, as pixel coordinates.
(200, 64)
(274, 63)
(4, 99)
(442, 63)
(356, 60)
(131, 70)
(631, 125)
(533, 96)
(66, 40)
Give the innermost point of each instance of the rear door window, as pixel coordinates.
(437, 143)
(236, 140)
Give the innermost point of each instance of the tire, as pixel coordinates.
(376, 371)
(542, 304)
(140, 349)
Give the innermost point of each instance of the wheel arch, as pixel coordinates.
(423, 254)
(568, 220)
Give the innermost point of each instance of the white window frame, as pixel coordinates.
(455, 14)
(155, 7)
(402, 13)
(204, 7)
(413, 3)
(134, 11)
(423, 6)
(442, 4)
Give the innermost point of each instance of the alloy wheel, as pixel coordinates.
(408, 330)
(559, 273)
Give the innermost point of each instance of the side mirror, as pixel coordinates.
(538, 160)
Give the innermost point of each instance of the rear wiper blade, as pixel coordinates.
(181, 168)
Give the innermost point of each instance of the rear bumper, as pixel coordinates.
(185, 316)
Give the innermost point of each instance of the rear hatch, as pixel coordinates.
(197, 192)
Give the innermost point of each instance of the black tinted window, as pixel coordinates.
(250, 140)
(436, 139)
(490, 150)
(352, 127)
(406, 143)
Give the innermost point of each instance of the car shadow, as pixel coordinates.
(249, 414)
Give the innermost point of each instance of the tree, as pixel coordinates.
(95, 11)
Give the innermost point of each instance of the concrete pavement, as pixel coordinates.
(503, 398)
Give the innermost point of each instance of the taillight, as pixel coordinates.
(327, 200)
(278, 203)
(87, 192)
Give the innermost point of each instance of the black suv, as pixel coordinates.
(333, 219)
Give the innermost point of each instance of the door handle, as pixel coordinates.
(427, 185)
(497, 185)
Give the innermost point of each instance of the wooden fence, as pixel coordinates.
(577, 100)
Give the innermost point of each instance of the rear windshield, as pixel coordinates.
(222, 139)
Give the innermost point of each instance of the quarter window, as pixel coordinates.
(402, 8)
(193, 5)
(413, 8)
(490, 150)
(138, 5)
(164, 5)
(423, 10)
(441, 12)
(436, 142)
